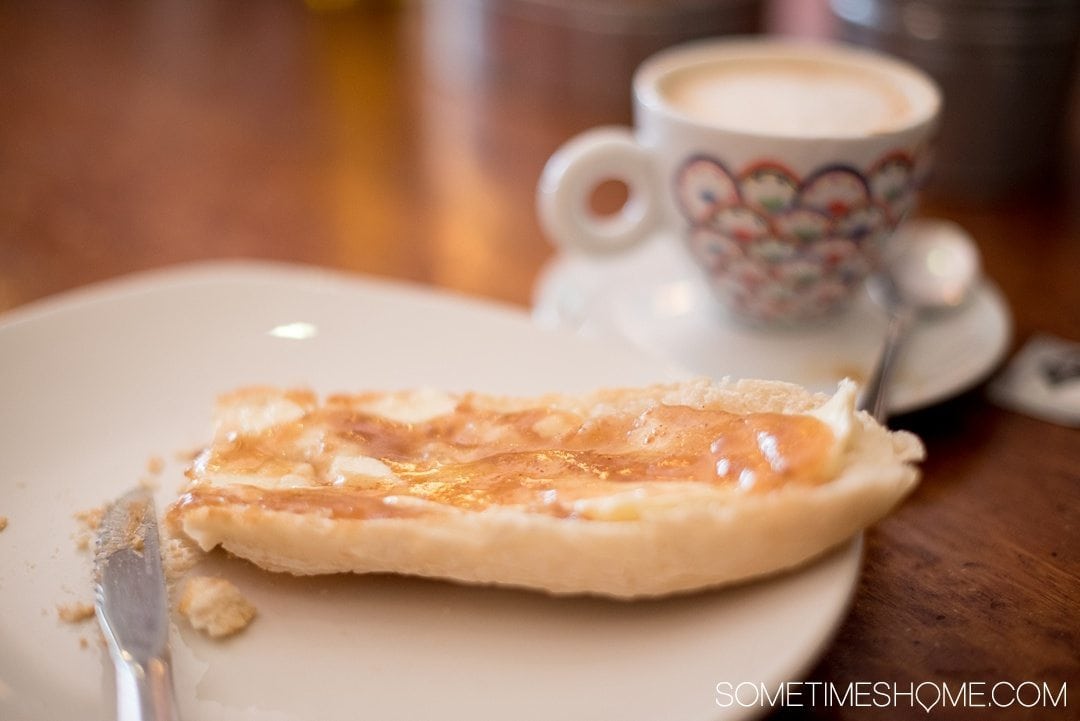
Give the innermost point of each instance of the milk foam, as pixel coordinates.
(789, 97)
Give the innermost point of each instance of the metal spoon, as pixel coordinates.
(935, 266)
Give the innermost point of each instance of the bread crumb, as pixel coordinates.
(96, 638)
(215, 606)
(90, 521)
(154, 465)
(134, 535)
(91, 518)
(75, 612)
(3, 522)
(178, 556)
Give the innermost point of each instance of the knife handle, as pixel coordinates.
(145, 692)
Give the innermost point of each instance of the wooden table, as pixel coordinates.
(387, 140)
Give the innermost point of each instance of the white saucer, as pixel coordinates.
(655, 299)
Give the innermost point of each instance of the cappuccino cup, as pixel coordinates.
(781, 166)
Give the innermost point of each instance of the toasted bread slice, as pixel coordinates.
(622, 492)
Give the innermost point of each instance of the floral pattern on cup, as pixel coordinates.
(769, 188)
(704, 186)
(801, 224)
(740, 224)
(778, 247)
(835, 191)
(714, 249)
(889, 182)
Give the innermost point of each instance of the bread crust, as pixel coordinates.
(708, 537)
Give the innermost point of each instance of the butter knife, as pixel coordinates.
(132, 608)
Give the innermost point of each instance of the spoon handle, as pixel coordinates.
(875, 396)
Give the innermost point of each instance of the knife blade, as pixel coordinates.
(131, 605)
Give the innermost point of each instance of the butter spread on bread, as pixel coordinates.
(622, 492)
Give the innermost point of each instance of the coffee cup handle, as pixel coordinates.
(574, 172)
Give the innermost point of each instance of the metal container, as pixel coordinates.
(1007, 68)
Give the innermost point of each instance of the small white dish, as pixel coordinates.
(98, 381)
(654, 299)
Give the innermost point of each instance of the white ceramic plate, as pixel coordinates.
(95, 383)
(655, 300)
